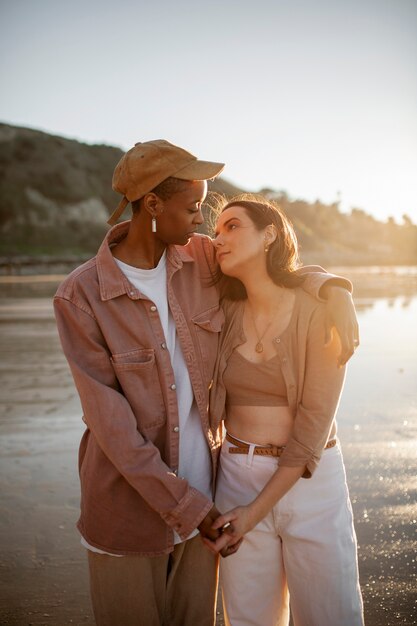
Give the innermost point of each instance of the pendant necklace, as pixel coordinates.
(259, 345)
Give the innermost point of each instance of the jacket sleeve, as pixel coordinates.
(322, 388)
(111, 420)
(315, 277)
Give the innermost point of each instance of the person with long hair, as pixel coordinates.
(281, 477)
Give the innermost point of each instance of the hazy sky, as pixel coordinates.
(316, 97)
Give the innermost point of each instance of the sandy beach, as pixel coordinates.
(43, 574)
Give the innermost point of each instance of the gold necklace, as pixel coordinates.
(259, 345)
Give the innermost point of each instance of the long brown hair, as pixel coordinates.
(282, 258)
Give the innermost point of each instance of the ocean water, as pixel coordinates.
(381, 382)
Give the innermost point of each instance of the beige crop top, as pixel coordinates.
(254, 384)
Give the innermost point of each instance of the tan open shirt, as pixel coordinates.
(313, 380)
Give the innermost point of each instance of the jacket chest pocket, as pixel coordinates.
(208, 326)
(138, 377)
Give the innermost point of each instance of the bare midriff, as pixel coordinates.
(262, 425)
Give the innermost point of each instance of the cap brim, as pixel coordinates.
(199, 170)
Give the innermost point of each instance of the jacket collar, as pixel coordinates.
(112, 281)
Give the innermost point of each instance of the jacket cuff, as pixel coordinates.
(188, 514)
(297, 455)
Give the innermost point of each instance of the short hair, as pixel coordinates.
(165, 190)
(282, 258)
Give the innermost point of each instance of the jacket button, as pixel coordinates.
(163, 345)
(153, 308)
(173, 386)
(176, 429)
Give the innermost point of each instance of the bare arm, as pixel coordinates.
(242, 519)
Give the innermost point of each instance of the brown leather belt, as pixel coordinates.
(243, 448)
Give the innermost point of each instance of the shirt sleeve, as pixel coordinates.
(322, 388)
(315, 277)
(111, 420)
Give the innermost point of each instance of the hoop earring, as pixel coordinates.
(153, 224)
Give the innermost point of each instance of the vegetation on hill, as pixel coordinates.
(328, 236)
(55, 196)
(55, 193)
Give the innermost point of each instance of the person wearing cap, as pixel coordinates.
(139, 324)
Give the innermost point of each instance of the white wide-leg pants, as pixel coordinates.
(302, 553)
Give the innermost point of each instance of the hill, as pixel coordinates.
(55, 197)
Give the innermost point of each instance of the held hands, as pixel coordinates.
(340, 313)
(241, 520)
(207, 528)
(211, 532)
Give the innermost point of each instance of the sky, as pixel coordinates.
(314, 97)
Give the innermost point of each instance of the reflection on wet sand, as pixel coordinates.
(378, 430)
(43, 578)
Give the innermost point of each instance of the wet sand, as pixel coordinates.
(43, 575)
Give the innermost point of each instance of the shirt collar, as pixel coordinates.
(112, 281)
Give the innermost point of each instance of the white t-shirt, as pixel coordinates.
(194, 453)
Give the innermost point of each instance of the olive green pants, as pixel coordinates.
(176, 589)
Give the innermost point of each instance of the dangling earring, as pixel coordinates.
(153, 224)
(266, 247)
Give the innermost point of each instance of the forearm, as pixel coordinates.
(319, 283)
(279, 484)
(243, 519)
(114, 426)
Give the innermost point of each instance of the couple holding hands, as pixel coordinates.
(209, 374)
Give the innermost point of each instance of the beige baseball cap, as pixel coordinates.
(147, 164)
